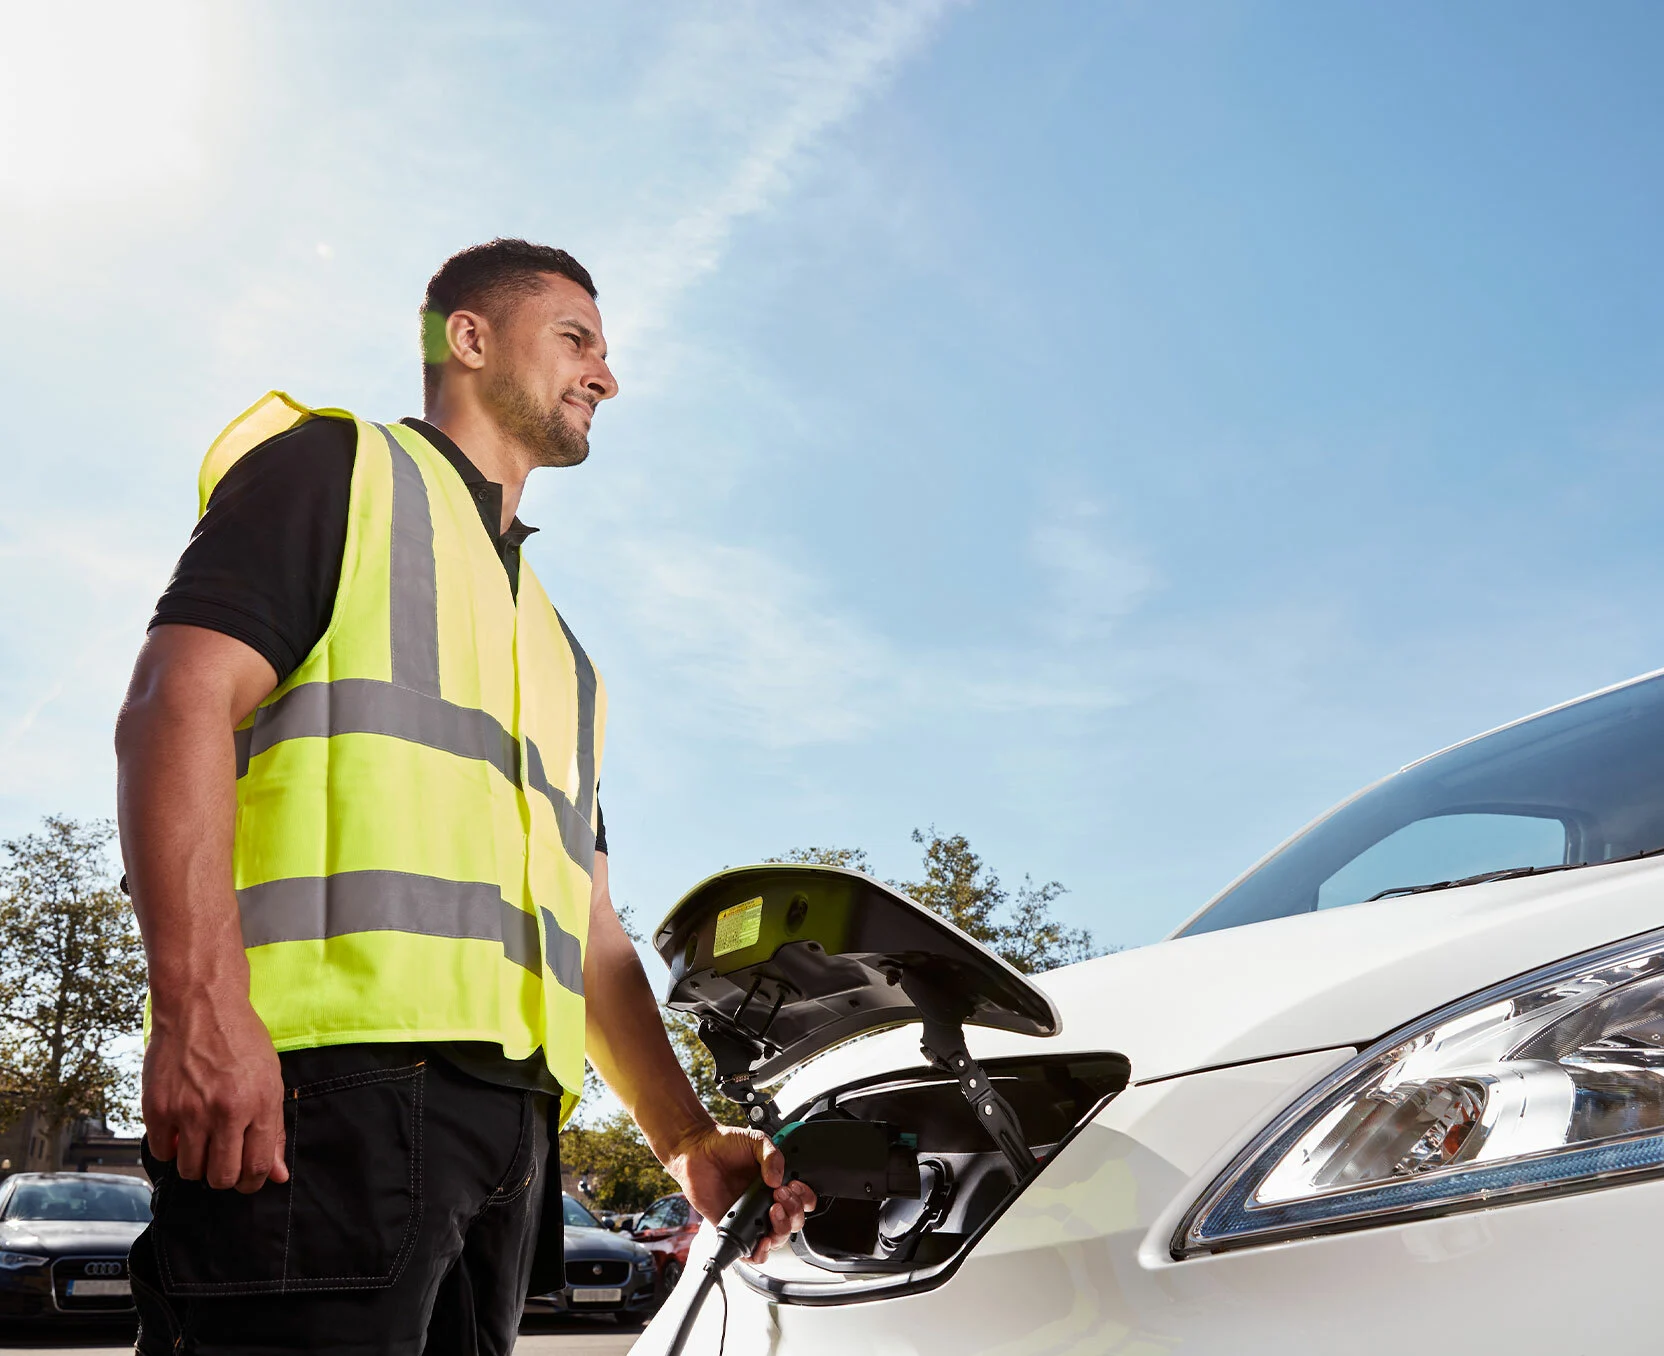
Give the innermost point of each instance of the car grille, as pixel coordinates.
(589, 1274)
(67, 1269)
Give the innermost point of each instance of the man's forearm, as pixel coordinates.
(213, 1088)
(176, 804)
(626, 1040)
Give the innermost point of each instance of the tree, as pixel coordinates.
(614, 1164)
(853, 858)
(958, 885)
(72, 976)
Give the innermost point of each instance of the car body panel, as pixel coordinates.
(1085, 1250)
(1229, 1024)
(1225, 1029)
(1312, 981)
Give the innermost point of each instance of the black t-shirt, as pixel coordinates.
(263, 566)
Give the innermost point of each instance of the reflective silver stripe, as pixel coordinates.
(586, 721)
(311, 908)
(370, 706)
(575, 834)
(414, 581)
(566, 954)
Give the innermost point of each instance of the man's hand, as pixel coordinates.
(213, 1094)
(626, 1042)
(716, 1168)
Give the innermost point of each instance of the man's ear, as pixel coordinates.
(466, 335)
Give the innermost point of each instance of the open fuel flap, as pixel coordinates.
(781, 962)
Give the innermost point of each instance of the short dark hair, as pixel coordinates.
(486, 278)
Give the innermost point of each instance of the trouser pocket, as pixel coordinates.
(347, 1217)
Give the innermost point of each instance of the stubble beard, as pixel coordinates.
(549, 435)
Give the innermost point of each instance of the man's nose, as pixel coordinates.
(602, 384)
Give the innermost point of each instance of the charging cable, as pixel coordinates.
(742, 1228)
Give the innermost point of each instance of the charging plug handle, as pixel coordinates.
(737, 1236)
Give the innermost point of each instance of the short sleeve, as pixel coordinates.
(264, 562)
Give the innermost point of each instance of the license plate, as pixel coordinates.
(92, 1289)
(587, 1295)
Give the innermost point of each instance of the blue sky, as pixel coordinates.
(1111, 431)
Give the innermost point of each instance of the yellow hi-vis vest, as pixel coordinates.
(416, 802)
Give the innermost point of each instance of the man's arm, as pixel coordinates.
(213, 1091)
(626, 1043)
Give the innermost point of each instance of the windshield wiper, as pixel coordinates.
(1507, 873)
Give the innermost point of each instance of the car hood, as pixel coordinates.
(592, 1243)
(1315, 981)
(56, 1237)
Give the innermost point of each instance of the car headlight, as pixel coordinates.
(644, 1260)
(1546, 1084)
(17, 1261)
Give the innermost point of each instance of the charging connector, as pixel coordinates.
(861, 1160)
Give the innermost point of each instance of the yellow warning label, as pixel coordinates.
(739, 926)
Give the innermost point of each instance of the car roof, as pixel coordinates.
(1546, 711)
(75, 1177)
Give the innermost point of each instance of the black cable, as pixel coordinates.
(722, 1342)
(738, 1233)
(684, 1329)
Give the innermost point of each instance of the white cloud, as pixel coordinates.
(752, 643)
(743, 93)
(1092, 582)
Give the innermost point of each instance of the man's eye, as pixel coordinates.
(576, 341)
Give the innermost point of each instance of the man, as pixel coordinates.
(358, 764)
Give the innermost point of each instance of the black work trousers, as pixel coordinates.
(409, 1222)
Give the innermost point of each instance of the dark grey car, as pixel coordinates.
(64, 1238)
(605, 1274)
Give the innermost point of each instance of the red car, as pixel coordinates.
(666, 1229)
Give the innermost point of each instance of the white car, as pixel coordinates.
(1399, 1088)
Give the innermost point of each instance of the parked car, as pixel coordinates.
(667, 1229)
(605, 1274)
(64, 1238)
(615, 1220)
(1400, 1084)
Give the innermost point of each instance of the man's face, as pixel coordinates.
(549, 371)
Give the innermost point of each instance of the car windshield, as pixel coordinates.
(69, 1200)
(577, 1217)
(663, 1214)
(1574, 787)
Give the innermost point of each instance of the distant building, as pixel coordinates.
(84, 1145)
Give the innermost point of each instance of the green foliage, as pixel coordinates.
(696, 1061)
(1021, 928)
(614, 1165)
(960, 887)
(855, 859)
(72, 975)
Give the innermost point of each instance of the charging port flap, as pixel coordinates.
(782, 961)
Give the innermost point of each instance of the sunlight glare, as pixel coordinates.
(100, 102)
